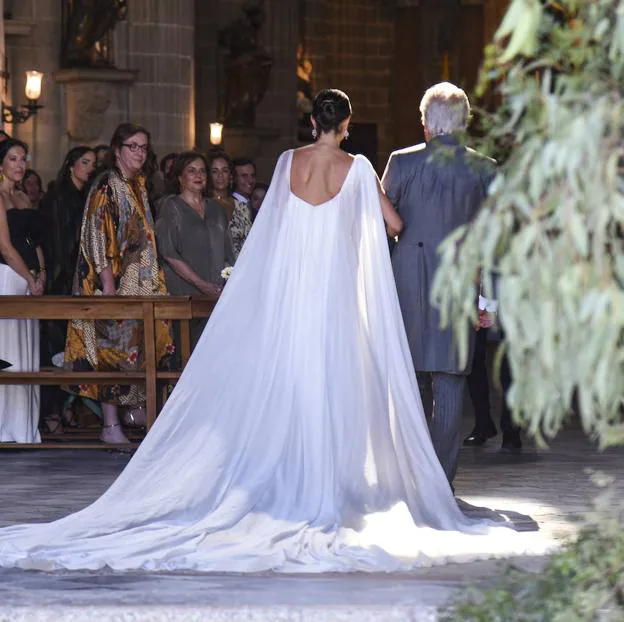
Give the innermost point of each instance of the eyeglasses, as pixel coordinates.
(196, 171)
(134, 147)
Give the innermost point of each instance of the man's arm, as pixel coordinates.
(391, 181)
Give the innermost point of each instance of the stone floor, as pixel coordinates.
(549, 487)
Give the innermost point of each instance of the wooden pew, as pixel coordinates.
(147, 309)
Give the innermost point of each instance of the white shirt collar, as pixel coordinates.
(240, 198)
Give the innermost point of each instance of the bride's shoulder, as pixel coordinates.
(363, 164)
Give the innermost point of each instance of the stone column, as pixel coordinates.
(158, 41)
(89, 94)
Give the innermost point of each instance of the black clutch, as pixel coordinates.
(5, 365)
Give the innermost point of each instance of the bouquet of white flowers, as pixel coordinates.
(226, 273)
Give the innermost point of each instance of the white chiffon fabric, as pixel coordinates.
(19, 345)
(295, 440)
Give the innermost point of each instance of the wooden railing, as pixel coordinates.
(145, 309)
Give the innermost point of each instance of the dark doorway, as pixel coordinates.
(362, 140)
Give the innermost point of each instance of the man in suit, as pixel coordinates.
(436, 187)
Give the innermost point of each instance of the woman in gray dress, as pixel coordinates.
(192, 236)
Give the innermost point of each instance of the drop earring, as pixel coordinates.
(314, 133)
(346, 134)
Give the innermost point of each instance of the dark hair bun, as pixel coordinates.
(331, 108)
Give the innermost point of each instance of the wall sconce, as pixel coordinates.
(216, 133)
(21, 114)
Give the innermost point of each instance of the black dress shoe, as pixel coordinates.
(512, 443)
(477, 439)
(4, 364)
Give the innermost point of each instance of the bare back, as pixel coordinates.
(318, 173)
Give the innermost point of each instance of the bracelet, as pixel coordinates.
(42, 270)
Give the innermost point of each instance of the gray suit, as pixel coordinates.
(436, 187)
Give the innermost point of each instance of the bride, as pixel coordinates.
(300, 445)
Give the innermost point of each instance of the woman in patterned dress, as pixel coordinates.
(117, 258)
(221, 174)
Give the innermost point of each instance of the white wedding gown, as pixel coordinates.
(295, 441)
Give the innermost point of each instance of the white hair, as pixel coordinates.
(444, 109)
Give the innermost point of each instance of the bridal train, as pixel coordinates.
(295, 440)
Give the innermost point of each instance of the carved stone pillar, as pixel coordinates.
(88, 96)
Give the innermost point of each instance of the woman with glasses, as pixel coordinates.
(192, 234)
(117, 258)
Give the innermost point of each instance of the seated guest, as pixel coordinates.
(62, 207)
(257, 196)
(221, 175)
(192, 236)
(22, 271)
(32, 187)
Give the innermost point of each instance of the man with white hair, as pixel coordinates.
(436, 187)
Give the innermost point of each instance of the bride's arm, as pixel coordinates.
(394, 224)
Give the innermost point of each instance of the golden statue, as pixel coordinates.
(88, 24)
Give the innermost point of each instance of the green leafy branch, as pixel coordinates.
(551, 232)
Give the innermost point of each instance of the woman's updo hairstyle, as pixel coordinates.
(331, 107)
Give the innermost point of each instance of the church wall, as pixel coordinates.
(37, 49)
(275, 125)
(158, 40)
(351, 44)
(372, 49)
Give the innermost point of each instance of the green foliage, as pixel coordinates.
(552, 229)
(583, 583)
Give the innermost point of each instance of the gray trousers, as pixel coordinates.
(443, 400)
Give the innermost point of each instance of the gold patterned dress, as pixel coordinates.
(240, 226)
(117, 232)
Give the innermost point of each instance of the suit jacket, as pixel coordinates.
(436, 187)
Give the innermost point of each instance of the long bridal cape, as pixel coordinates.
(295, 440)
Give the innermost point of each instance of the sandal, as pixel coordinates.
(68, 419)
(135, 417)
(109, 436)
(52, 424)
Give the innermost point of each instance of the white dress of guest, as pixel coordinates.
(295, 440)
(19, 343)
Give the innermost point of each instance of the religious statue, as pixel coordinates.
(88, 25)
(305, 94)
(247, 66)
